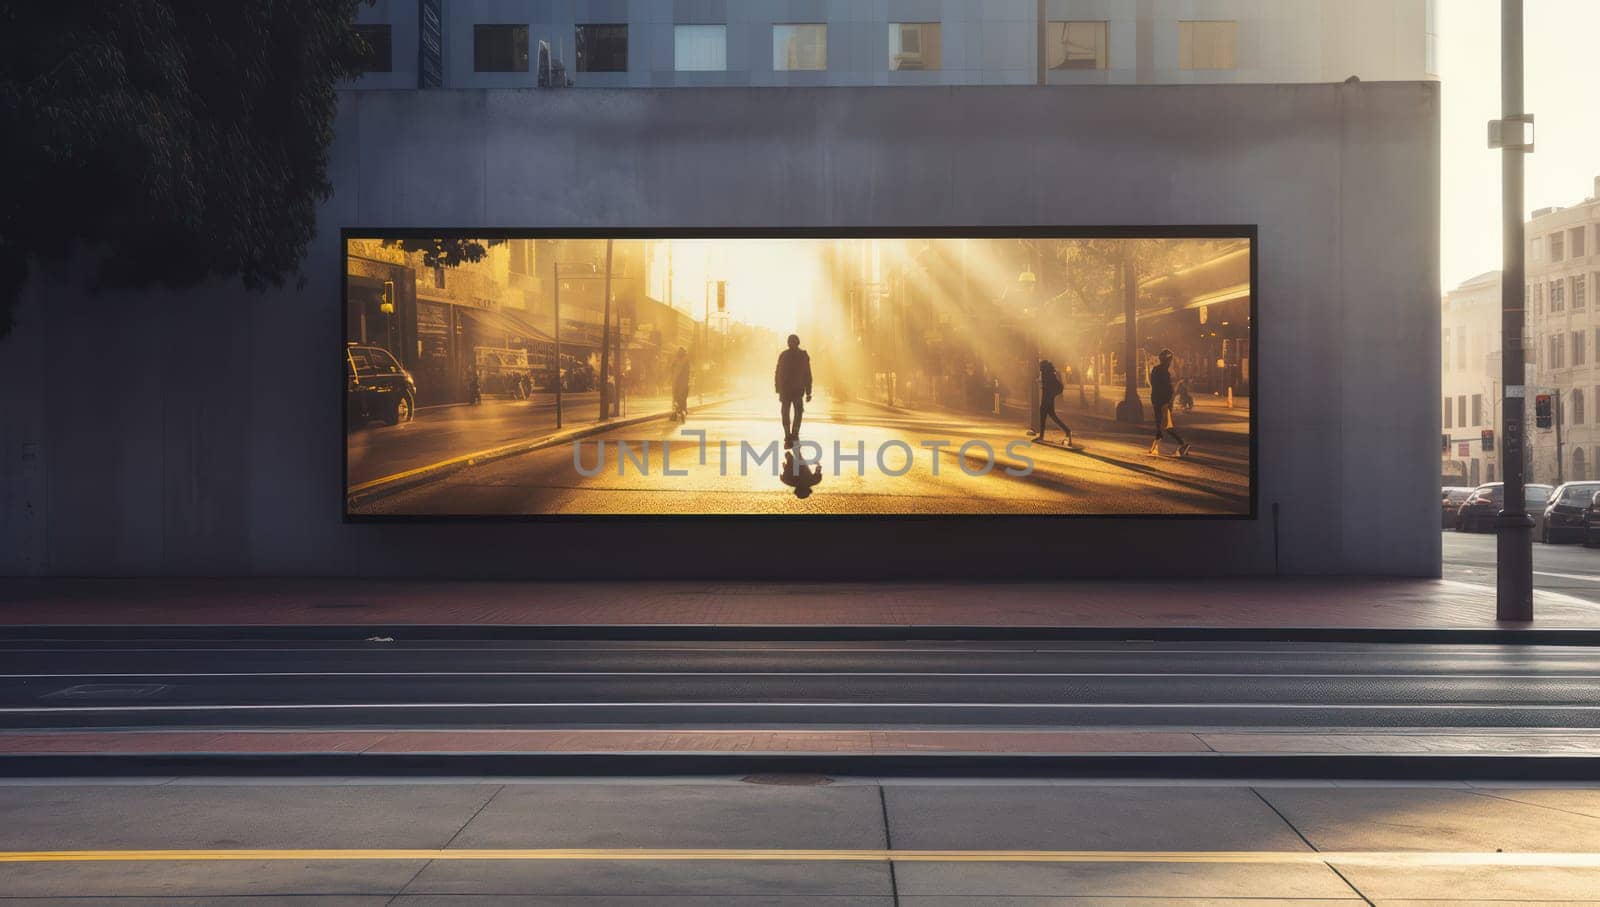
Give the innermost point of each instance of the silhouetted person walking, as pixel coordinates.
(680, 384)
(792, 381)
(1161, 402)
(1050, 388)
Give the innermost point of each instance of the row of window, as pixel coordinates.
(1564, 244)
(1574, 409)
(1455, 411)
(913, 46)
(1559, 293)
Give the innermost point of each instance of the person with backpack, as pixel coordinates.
(1050, 387)
(792, 381)
(1161, 404)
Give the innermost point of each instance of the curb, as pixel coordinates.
(377, 489)
(1102, 765)
(800, 632)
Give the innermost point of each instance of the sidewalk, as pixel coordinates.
(1231, 605)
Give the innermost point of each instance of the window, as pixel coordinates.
(1461, 349)
(1558, 295)
(1461, 410)
(1555, 351)
(797, 47)
(1477, 409)
(379, 56)
(1556, 246)
(700, 48)
(438, 277)
(499, 48)
(1580, 292)
(1577, 407)
(1449, 414)
(1207, 45)
(1446, 362)
(914, 46)
(1538, 299)
(1579, 342)
(602, 48)
(1536, 249)
(1575, 242)
(1077, 45)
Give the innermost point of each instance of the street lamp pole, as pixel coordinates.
(555, 281)
(1514, 136)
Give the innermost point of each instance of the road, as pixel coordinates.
(542, 684)
(1570, 569)
(786, 840)
(375, 450)
(1111, 472)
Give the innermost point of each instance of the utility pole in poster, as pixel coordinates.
(605, 342)
(1513, 135)
(555, 281)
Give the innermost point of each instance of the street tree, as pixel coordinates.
(1103, 276)
(443, 252)
(167, 142)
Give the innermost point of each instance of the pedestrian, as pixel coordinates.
(792, 381)
(1050, 387)
(1161, 402)
(474, 386)
(680, 384)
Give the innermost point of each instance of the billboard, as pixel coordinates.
(530, 374)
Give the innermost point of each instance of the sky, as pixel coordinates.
(1562, 91)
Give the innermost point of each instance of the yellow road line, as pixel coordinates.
(1581, 860)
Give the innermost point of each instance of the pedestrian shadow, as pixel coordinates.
(1154, 473)
(801, 479)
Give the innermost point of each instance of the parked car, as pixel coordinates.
(376, 387)
(1450, 499)
(1561, 520)
(1591, 523)
(1478, 511)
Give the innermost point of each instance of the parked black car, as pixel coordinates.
(1561, 520)
(376, 387)
(1451, 497)
(1591, 523)
(1478, 512)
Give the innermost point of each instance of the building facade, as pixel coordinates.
(1469, 359)
(751, 43)
(1564, 332)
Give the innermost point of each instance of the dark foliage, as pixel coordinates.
(173, 141)
(447, 253)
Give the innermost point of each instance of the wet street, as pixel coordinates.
(911, 462)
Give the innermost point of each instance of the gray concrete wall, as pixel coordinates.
(199, 432)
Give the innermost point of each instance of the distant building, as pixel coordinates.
(710, 43)
(1563, 275)
(1469, 360)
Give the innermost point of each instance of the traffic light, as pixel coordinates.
(1541, 411)
(1488, 439)
(722, 296)
(1444, 443)
(386, 305)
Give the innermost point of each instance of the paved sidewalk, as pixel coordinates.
(1226, 604)
(1462, 742)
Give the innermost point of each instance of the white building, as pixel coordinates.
(1563, 275)
(703, 43)
(1470, 363)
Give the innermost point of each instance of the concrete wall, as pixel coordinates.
(199, 432)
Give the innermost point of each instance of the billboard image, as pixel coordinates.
(542, 373)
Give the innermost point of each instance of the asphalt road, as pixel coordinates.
(1569, 569)
(793, 685)
(1110, 471)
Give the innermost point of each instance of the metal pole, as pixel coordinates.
(1514, 539)
(605, 341)
(1560, 471)
(555, 275)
